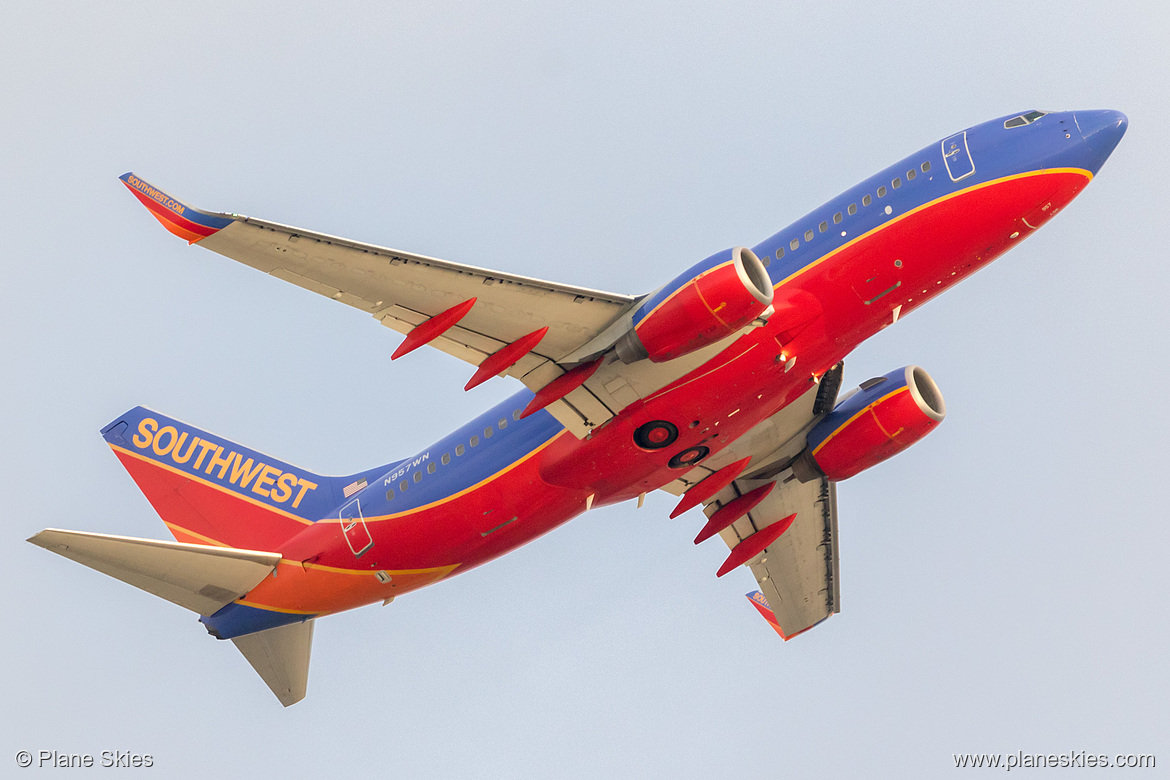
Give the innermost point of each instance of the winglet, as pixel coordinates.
(765, 609)
(186, 222)
(760, 603)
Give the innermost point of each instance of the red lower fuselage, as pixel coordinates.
(836, 301)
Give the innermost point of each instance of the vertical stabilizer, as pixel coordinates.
(281, 657)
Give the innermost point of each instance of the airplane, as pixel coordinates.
(722, 387)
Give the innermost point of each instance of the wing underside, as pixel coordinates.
(403, 290)
(799, 572)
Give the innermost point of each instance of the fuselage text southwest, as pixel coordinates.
(206, 456)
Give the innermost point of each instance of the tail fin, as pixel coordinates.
(202, 579)
(211, 491)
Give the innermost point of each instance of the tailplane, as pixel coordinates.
(203, 579)
(281, 657)
(200, 578)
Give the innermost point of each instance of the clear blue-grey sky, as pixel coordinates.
(1004, 582)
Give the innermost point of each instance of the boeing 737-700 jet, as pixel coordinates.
(721, 387)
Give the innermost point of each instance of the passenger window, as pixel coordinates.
(925, 166)
(882, 191)
(866, 200)
(474, 441)
(823, 227)
(780, 253)
(766, 260)
(417, 476)
(390, 494)
(488, 431)
(808, 236)
(837, 218)
(793, 244)
(432, 467)
(910, 174)
(852, 209)
(502, 424)
(446, 458)
(459, 449)
(516, 414)
(897, 183)
(403, 485)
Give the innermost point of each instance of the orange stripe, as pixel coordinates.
(900, 217)
(210, 484)
(715, 314)
(177, 530)
(867, 408)
(453, 496)
(667, 299)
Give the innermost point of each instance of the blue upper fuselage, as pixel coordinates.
(1007, 146)
(1010, 146)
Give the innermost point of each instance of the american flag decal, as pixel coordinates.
(353, 487)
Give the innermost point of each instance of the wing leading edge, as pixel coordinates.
(402, 290)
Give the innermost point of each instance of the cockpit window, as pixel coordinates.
(1024, 119)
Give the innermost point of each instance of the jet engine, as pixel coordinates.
(879, 419)
(704, 304)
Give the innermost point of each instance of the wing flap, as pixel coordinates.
(383, 282)
(798, 573)
(201, 578)
(403, 289)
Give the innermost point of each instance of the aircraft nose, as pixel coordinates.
(1101, 131)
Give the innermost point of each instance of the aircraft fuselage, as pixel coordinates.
(843, 272)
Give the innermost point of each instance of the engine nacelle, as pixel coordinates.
(706, 303)
(879, 419)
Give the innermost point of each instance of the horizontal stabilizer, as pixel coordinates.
(281, 657)
(201, 578)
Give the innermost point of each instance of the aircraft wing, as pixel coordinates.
(402, 289)
(798, 573)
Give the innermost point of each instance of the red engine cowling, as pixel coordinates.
(705, 304)
(880, 419)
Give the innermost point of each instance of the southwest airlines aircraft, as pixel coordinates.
(721, 387)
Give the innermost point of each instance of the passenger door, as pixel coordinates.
(353, 526)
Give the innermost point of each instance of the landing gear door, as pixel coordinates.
(353, 526)
(957, 156)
